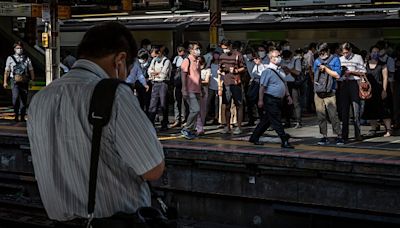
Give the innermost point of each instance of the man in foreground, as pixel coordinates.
(60, 134)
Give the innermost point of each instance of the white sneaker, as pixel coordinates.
(237, 131)
(226, 130)
(388, 134)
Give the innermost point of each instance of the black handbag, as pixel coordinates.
(99, 115)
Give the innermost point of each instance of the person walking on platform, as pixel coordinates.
(273, 89)
(159, 73)
(19, 70)
(326, 71)
(60, 136)
(354, 70)
(191, 88)
(231, 66)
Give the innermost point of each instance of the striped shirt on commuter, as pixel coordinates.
(60, 137)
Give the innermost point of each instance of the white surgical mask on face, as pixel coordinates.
(278, 60)
(197, 52)
(286, 48)
(226, 51)
(325, 56)
(148, 47)
(261, 54)
(141, 61)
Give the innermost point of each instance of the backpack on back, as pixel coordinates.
(20, 70)
(300, 79)
(323, 82)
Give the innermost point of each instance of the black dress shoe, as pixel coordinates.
(287, 145)
(249, 124)
(256, 142)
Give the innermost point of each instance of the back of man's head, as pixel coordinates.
(106, 39)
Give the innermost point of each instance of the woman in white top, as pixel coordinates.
(205, 80)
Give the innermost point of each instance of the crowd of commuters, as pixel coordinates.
(223, 86)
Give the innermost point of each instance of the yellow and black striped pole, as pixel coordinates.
(215, 22)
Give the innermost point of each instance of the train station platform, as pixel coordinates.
(227, 180)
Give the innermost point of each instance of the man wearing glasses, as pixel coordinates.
(273, 89)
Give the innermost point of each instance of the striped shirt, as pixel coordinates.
(354, 63)
(60, 137)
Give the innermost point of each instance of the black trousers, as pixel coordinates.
(250, 106)
(271, 117)
(349, 97)
(143, 96)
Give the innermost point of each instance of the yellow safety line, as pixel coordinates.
(12, 128)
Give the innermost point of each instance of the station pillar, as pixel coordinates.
(53, 50)
(215, 23)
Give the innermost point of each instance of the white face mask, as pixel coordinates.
(278, 60)
(286, 48)
(226, 51)
(141, 61)
(197, 52)
(323, 57)
(148, 47)
(18, 51)
(261, 54)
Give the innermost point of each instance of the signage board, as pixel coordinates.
(298, 3)
(13, 9)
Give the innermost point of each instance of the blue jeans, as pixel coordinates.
(19, 98)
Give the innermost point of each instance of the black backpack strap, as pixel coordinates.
(277, 74)
(100, 109)
(14, 59)
(163, 62)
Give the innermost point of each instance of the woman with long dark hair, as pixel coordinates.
(379, 105)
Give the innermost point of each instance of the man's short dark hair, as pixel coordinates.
(226, 42)
(192, 43)
(18, 43)
(145, 42)
(105, 39)
(312, 46)
(286, 54)
(143, 54)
